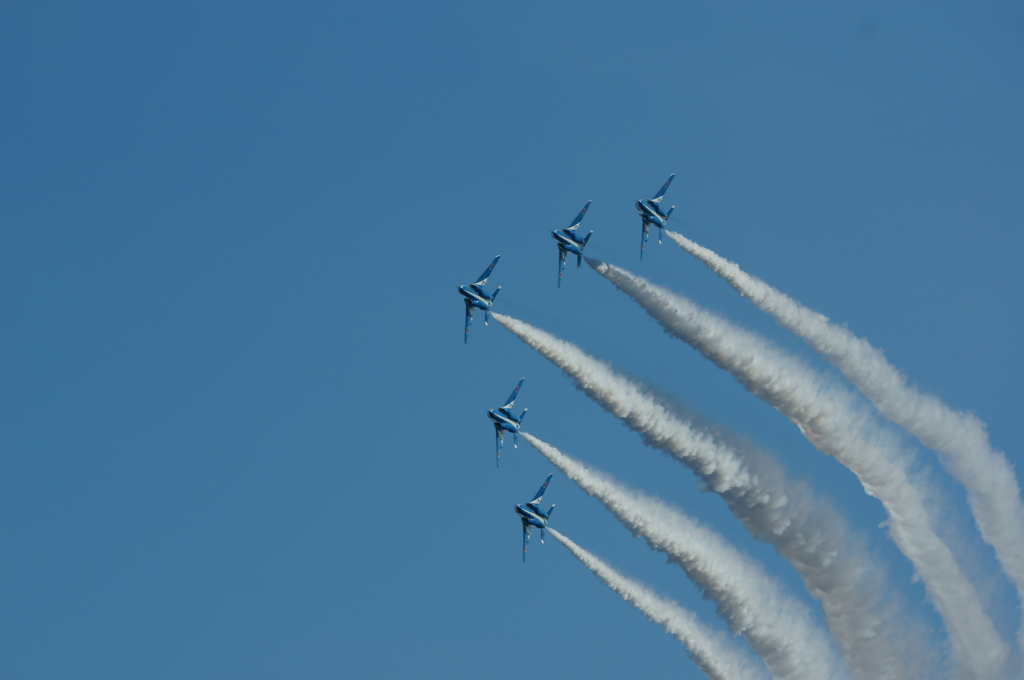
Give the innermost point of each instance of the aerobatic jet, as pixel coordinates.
(569, 242)
(476, 296)
(651, 213)
(531, 515)
(504, 421)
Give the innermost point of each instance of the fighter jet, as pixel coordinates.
(504, 421)
(531, 515)
(569, 242)
(651, 213)
(476, 296)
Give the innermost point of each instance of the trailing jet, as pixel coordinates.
(477, 297)
(532, 516)
(504, 421)
(651, 213)
(568, 242)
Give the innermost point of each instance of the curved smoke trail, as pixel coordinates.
(960, 438)
(778, 627)
(827, 416)
(713, 653)
(870, 629)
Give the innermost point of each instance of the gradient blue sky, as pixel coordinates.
(240, 435)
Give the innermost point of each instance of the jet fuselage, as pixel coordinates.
(530, 515)
(503, 419)
(651, 212)
(568, 242)
(476, 297)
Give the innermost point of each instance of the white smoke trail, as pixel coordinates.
(754, 605)
(831, 421)
(713, 652)
(867, 624)
(960, 438)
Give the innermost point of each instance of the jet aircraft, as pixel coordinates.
(532, 516)
(476, 296)
(504, 421)
(651, 213)
(569, 242)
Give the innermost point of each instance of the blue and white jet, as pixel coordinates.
(532, 516)
(569, 242)
(476, 297)
(651, 213)
(504, 421)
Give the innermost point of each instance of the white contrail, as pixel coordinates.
(713, 652)
(828, 417)
(867, 624)
(778, 627)
(960, 438)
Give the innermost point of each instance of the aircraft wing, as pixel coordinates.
(469, 320)
(663, 189)
(562, 254)
(515, 393)
(579, 218)
(526, 538)
(646, 231)
(541, 490)
(487, 272)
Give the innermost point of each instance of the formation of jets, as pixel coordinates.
(476, 297)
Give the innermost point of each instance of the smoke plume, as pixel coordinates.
(960, 438)
(753, 604)
(713, 653)
(863, 617)
(829, 419)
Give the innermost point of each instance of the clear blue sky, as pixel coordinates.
(240, 435)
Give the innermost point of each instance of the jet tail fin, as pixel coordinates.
(495, 293)
(550, 510)
(585, 239)
(669, 213)
(523, 415)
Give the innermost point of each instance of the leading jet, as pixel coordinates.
(532, 516)
(504, 421)
(479, 298)
(651, 213)
(569, 242)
